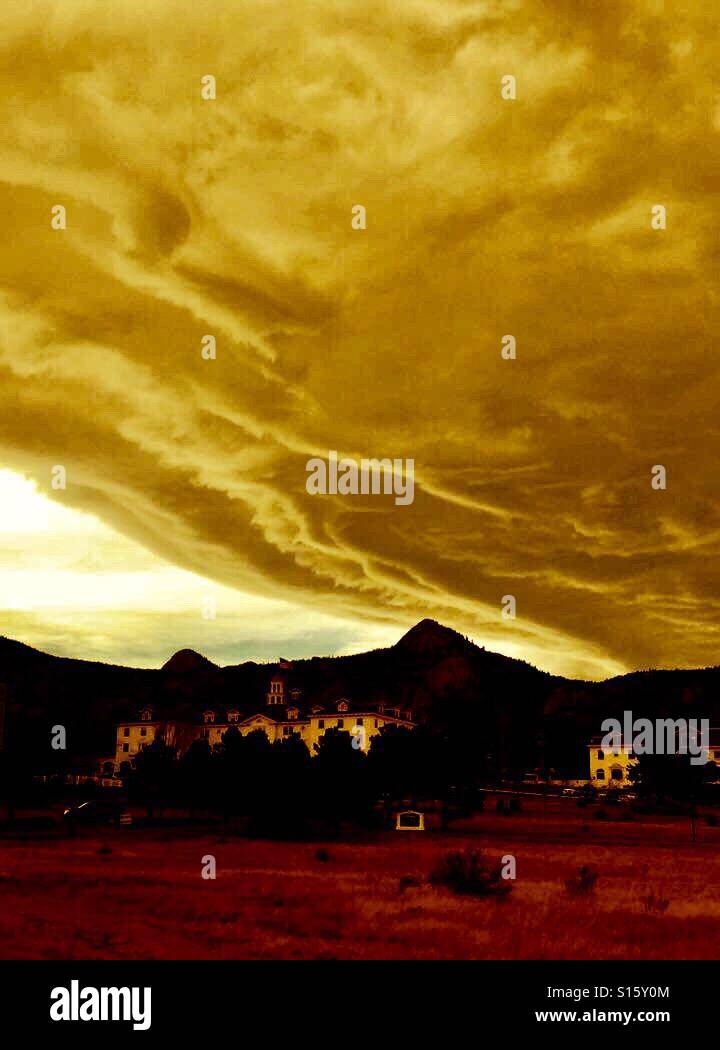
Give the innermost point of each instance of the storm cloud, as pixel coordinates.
(485, 217)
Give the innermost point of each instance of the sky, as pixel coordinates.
(485, 216)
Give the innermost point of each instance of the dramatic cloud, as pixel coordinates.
(485, 216)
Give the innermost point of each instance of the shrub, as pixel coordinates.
(655, 903)
(406, 882)
(465, 872)
(583, 883)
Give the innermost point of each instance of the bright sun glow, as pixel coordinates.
(64, 574)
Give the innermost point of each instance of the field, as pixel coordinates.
(130, 893)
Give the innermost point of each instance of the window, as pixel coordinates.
(145, 715)
(292, 712)
(287, 730)
(233, 716)
(377, 724)
(126, 731)
(600, 774)
(340, 723)
(616, 773)
(343, 705)
(601, 755)
(321, 723)
(359, 721)
(126, 748)
(143, 731)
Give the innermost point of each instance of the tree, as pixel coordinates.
(341, 787)
(406, 763)
(154, 774)
(672, 777)
(243, 772)
(195, 775)
(281, 809)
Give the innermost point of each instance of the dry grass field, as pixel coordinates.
(137, 894)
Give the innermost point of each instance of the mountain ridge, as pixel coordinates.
(425, 636)
(500, 704)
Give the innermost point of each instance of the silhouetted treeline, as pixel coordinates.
(280, 789)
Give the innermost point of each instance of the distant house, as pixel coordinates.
(285, 713)
(610, 767)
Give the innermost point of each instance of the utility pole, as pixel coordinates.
(7, 772)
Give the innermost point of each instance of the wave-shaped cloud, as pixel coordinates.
(485, 216)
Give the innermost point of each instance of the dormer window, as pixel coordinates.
(343, 706)
(233, 716)
(145, 714)
(208, 717)
(295, 694)
(292, 713)
(316, 709)
(381, 709)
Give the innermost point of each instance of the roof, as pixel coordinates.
(309, 698)
(713, 738)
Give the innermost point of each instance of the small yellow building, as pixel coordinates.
(610, 768)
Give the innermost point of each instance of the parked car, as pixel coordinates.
(95, 811)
